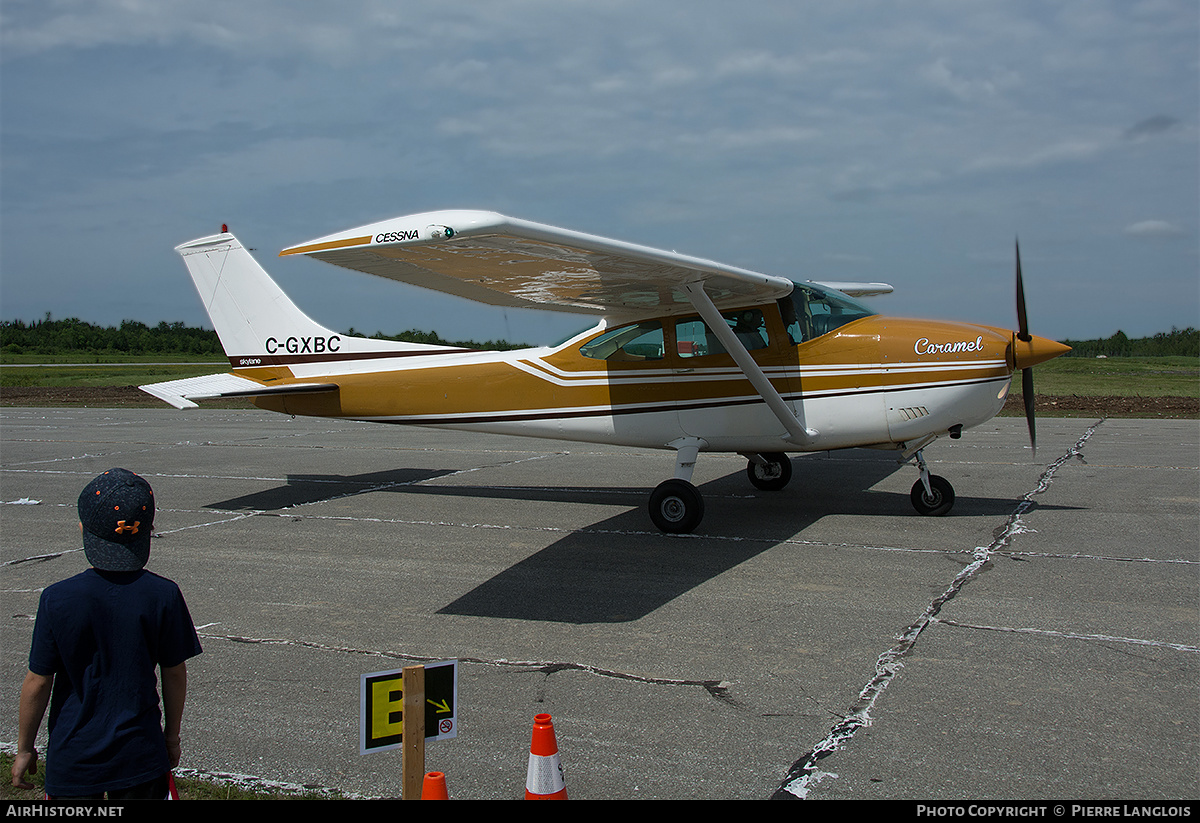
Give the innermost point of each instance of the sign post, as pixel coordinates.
(413, 683)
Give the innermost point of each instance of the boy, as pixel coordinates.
(98, 639)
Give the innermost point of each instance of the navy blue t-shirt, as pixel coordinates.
(103, 635)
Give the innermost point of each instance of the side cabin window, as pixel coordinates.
(693, 337)
(641, 341)
(810, 311)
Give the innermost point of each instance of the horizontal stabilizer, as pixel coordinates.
(181, 393)
(857, 289)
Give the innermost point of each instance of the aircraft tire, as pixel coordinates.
(937, 504)
(772, 477)
(676, 506)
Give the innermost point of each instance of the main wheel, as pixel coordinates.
(676, 507)
(771, 476)
(936, 504)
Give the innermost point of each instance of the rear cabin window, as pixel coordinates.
(642, 341)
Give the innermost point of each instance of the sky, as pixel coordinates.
(908, 143)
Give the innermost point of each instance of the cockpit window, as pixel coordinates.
(810, 311)
(641, 341)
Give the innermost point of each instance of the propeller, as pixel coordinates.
(1025, 337)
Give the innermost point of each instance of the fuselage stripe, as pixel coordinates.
(525, 415)
(244, 360)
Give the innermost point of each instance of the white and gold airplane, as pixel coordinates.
(688, 355)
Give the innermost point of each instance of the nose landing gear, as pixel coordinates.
(932, 495)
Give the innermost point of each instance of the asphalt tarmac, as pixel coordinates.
(823, 642)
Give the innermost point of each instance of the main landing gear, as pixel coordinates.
(769, 472)
(677, 507)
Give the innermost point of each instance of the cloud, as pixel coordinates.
(760, 135)
(1032, 157)
(848, 258)
(1151, 126)
(1154, 229)
(941, 77)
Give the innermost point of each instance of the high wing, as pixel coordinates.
(502, 261)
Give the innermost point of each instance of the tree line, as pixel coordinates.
(1175, 343)
(74, 336)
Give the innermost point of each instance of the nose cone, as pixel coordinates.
(1028, 353)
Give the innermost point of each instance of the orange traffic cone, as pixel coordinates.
(434, 787)
(544, 780)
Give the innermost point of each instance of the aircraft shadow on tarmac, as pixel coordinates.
(621, 568)
(302, 489)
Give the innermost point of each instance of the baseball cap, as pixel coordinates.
(117, 513)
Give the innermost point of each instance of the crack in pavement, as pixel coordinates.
(717, 688)
(1105, 638)
(804, 774)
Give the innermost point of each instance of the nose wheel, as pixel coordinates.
(934, 501)
(932, 495)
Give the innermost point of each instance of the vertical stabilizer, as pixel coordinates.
(256, 322)
(245, 305)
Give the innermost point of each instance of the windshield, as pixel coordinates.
(810, 311)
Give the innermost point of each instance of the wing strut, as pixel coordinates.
(798, 433)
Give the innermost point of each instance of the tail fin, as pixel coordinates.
(245, 305)
(257, 323)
